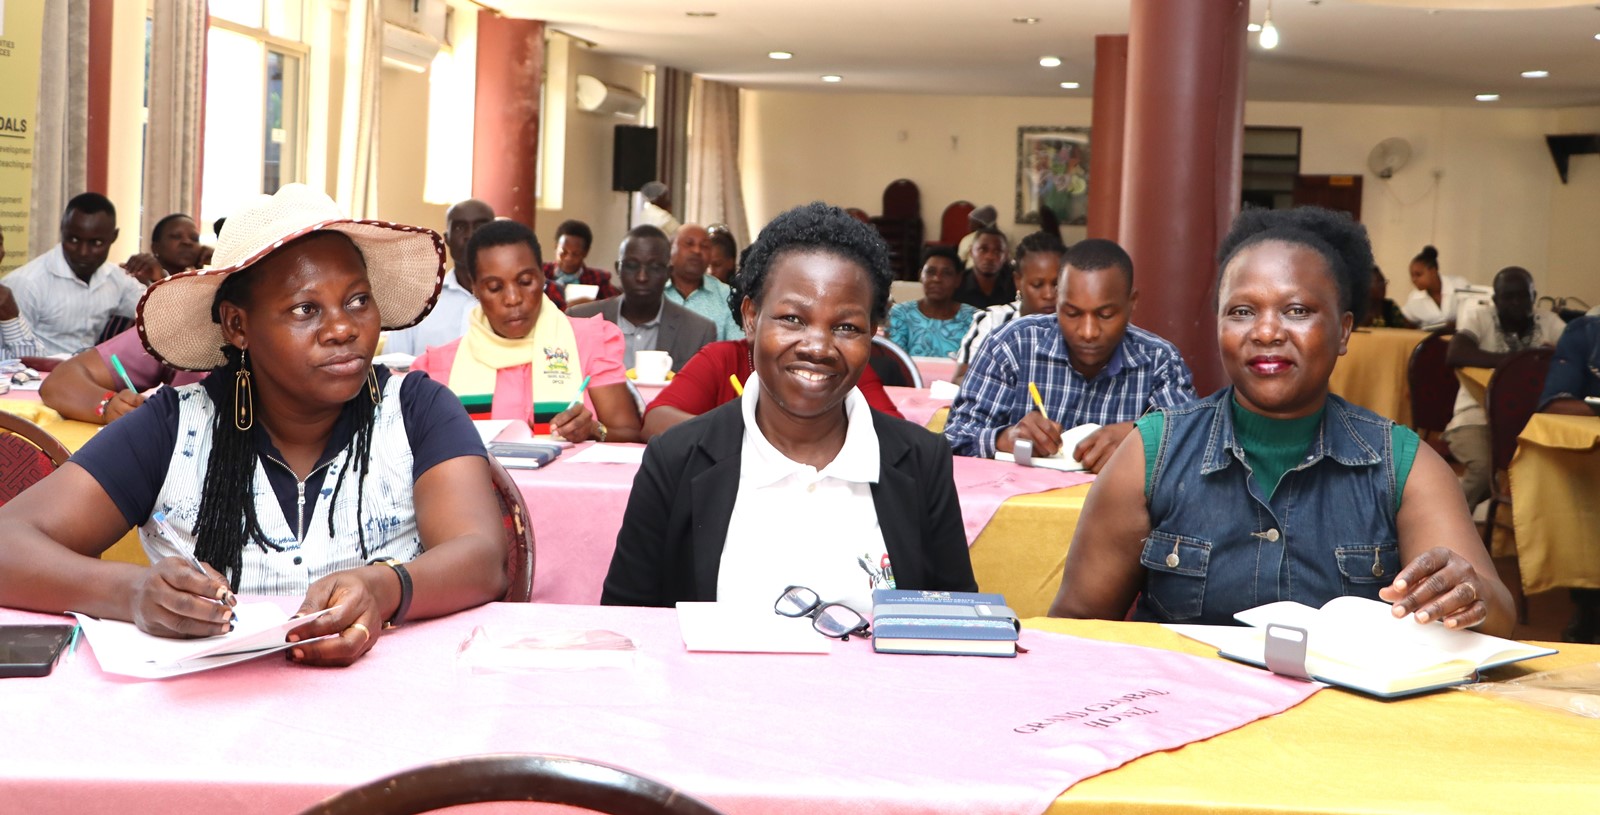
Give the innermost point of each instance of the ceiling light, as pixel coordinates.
(1071, 86)
(1025, 20)
(1050, 62)
(1535, 74)
(700, 13)
(779, 55)
(1487, 97)
(1253, 27)
(1269, 32)
(832, 78)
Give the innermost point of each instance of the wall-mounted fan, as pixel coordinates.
(1388, 157)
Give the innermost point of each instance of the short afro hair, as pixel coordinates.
(1094, 254)
(947, 252)
(499, 232)
(817, 227)
(577, 229)
(89, 203)
(1341, 242)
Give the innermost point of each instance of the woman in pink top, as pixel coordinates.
(523, 351)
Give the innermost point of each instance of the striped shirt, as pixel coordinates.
(984, 323)
(1145, 372)
(66, 313)
(16, 339)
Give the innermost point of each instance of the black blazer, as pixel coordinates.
(670, 545)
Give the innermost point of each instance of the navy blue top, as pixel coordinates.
(130, 456)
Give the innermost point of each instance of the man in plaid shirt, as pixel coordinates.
(1087, 362)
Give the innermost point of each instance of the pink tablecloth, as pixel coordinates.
(751, 734)
(915, 404)
(933, 368)
(576, 509)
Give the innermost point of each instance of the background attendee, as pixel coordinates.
(448, 320)
(654, 207)
(87, 387)
(573, 239)
(1574, 371)
(296, 467)
(1088, 364)
(647, 321)
(1381, 311)
(1038, 268)
(722, 253)
(174, 248)
(1435, 300)
(983, 217)
(693, 289)
(69, 293)
(987, 283)
(523, 351)
(798, 482)
(1273, 488)
(1485, 335)
(933, 325)
(16, 336)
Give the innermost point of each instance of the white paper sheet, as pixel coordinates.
(746, 629)
(121, 648)
(611, 454)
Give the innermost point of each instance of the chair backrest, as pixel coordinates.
(902, 201)
(28, 453)
(953, 223)
(893, 365)
(513, 777)
(519, 534)
(859, 214)
(1512, 398)
(1433, 383)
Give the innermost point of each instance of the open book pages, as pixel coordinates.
(121, 648)
(1062, 460)
(1359, 643)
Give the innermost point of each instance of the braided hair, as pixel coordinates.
(227, 522)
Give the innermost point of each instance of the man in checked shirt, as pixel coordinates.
(1087, 362)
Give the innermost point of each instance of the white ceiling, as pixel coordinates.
(1356, 51)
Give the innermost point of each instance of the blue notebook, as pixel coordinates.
(943, 622)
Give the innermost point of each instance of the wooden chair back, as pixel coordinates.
(893, 365)
(859, 214)
(1433, 383)
(548, 779)
(1512, 398)
(28, 453)
(953, 223)
(519, 534)
(902, 201)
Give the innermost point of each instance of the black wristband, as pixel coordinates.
(405, 588)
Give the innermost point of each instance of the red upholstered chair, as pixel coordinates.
(27, 455)
(41, 364)
(1510, 400)
(900, 226)
(513, 777)
(859, 214)
(953, 223)
(519, 534)
(1433, 389)
(902, 200)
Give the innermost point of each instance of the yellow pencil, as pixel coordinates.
(1033, 390)
(733, 379)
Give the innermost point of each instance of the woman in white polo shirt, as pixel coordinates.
(799, 481)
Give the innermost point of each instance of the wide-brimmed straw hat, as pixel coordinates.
(405, 265)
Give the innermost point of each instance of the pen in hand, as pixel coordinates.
(171, 536)
(1033, 391)
(582, 386)
(123, 372)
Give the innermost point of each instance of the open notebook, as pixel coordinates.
(121, 648)
(1357, 643)
(1062, 460)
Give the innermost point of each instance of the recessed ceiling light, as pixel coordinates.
(1253, 27)
(1071, 86)
(1535, 74)
(1487, 97)
(832, 78)
(1025, 20)
(700, 13)
(1050, 62)
(780, 55)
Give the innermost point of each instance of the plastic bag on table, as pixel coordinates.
(1574, 690)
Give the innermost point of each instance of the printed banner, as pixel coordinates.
(21, 33)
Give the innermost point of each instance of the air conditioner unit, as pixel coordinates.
(603, 98)
(406, 49)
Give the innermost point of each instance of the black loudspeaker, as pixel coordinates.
(633, 158)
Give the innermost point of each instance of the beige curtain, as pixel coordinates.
(60, 154)
(176, 129)
(716, 195)
(358, 131)
(672, 128)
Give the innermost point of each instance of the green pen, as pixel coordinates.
(123, 372)
(582, 386)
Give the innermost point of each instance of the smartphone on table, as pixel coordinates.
(31, 650)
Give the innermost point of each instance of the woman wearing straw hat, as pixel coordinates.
(296, 467)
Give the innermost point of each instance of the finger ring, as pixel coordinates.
(364, 630)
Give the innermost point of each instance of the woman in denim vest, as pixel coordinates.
(1273, 488)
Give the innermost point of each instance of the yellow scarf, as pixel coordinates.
(552, 350)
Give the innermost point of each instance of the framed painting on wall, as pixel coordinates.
(1053, 171)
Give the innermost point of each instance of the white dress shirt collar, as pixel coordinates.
(763, 464)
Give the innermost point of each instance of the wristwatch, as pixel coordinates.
(405, 588)
(599, 431)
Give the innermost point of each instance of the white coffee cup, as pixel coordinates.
(651, 366)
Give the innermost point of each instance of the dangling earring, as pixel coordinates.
(372, 385)
(244, 411)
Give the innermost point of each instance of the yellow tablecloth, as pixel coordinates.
(1476, 381)
(1372, 373)
(1339, 752)
(74, 435)
(1555, 502)
(1022, 550)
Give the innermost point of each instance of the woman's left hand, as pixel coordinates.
(358, 623)
(1439, 584)
(574, 424)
